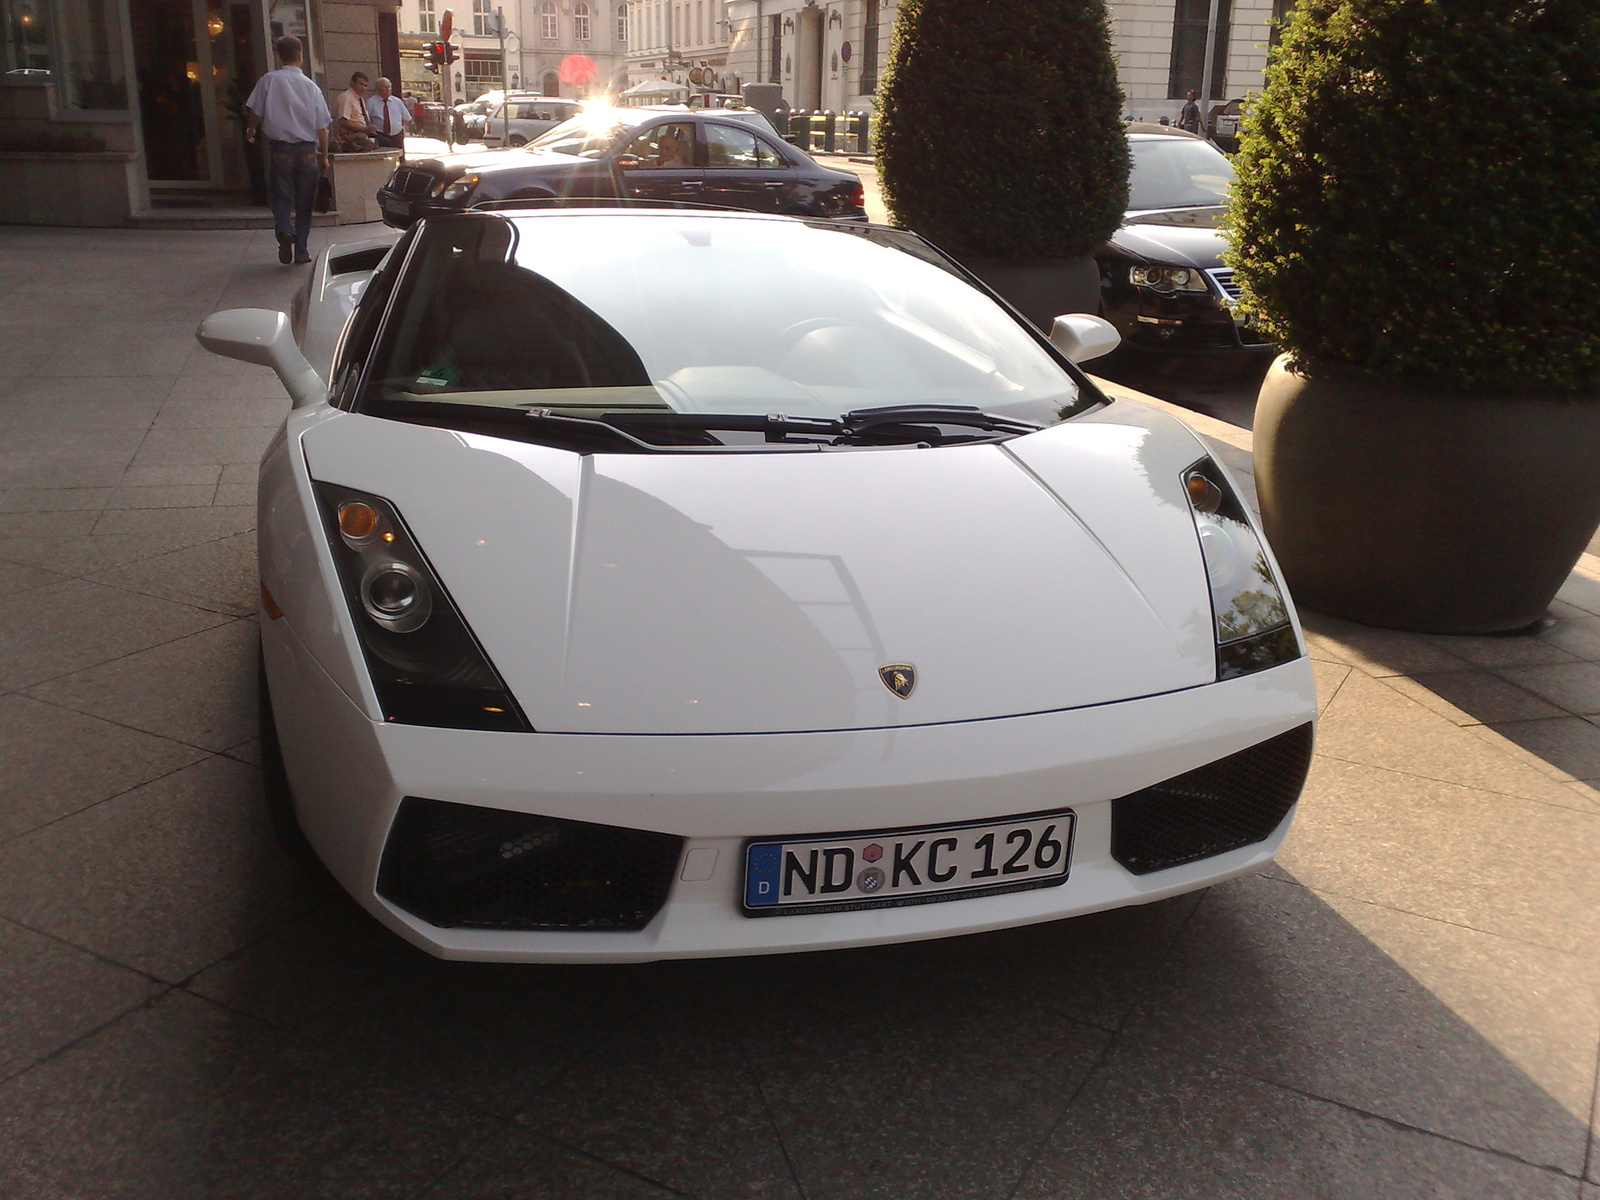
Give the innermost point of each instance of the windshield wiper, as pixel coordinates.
(967, 416)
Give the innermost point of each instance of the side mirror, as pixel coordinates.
(263, 336)
(628, 162)
(1081, 337)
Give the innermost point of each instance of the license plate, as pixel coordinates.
(398, 207)
(912, 866)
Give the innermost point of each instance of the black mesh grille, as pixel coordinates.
(411, 183)
(1215, 808)
(463, 867)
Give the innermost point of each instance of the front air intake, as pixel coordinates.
(459, 866)
(1221, 806)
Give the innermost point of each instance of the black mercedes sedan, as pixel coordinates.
(1163, 283)
(705, 157)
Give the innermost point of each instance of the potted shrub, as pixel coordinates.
(1021, 177)
(1414, 223)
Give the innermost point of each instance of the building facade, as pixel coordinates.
(825, 56)
(684, 41)
(143, 100)
(829, 54)
(1160, 49)
(574, 48)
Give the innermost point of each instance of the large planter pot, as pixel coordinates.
(1041, 289)
(1424, 510)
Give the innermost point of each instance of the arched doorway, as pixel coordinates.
(550, 85)
(808, 58)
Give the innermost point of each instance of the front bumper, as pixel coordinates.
(403, 211)
(350, 774)
(1179, 323)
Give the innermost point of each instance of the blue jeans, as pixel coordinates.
(294, 186)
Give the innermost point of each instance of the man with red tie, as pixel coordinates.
(389, 116)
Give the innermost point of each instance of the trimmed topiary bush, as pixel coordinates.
(1031, 165)
(1417, 191)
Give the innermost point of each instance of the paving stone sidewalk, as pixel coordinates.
(1406, 1005)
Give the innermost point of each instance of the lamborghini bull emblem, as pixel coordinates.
(899, 678)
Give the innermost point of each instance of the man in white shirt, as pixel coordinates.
(291, 110)
(352, 132)
(390, 116)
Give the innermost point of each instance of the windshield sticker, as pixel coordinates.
(436, 377)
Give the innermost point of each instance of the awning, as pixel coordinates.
(656, 87)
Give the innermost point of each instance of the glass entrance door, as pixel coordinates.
(170, 59)
(196, 65)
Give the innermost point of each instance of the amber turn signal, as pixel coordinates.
(1203, 494)
(357, 521)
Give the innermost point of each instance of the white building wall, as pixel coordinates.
(820, 68)
(673, 37)
(1141, 41)
(528, 54)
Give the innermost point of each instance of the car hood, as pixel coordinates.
(763, 592)
(1186, 237)
(488, 161)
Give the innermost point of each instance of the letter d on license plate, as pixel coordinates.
(911, 866)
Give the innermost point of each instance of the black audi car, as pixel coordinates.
(1163, 283)
(706, 157)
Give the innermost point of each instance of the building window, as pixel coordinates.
(869, 50)
(483, 72)
(1189, 23)
(622, 24)
(1280, 14)
(482, 18)
(700, 22)
(427, 22)
(580, 22)
(775, 52)
(547, 21)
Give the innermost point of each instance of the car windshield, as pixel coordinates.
(589, 134)
(1177, 172)
(658, 313)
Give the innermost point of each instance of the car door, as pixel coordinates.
(742, 171)
(661, 162)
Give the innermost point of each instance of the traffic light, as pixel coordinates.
(434, 56)
(450, 52)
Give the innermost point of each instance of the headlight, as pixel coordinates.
(425, 665)
(1168, 279)
(457, 188)
(1252, 619)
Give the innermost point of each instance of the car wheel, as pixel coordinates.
(518, 140)
(275, 781)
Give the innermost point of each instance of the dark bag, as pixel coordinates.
(323, 201)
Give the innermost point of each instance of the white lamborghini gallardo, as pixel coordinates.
(652, 583)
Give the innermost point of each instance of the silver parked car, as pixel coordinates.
(518, 119)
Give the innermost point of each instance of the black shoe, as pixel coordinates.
(286, 248)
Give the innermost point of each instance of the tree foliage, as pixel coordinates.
(1027, 160)
(1417, 187)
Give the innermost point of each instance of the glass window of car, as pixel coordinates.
(588, 312)
(1174, 172)
(668, 146)
(587, 135)
(729, 147)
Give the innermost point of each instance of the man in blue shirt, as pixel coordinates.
(291, 110)
(389, 115)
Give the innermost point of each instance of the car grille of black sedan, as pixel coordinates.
(458, 866)
(411, 183)
(1221, 806)
(1223, 278)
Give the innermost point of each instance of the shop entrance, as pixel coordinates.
(197, 61)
